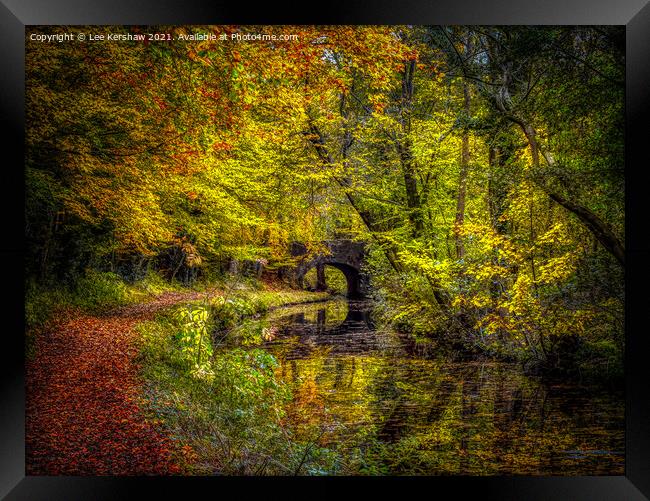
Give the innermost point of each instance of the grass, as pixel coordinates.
(95, 292)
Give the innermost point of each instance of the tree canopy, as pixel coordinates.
(483, 164)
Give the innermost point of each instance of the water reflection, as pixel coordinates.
(333, 317)
(367, 395)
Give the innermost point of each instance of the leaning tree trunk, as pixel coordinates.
(598, 228)
(316, 139)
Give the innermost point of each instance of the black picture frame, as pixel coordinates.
(15, 15)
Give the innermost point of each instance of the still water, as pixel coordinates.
(387, 408)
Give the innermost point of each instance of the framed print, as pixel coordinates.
(400, 242)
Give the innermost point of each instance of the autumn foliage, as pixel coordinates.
(482, 167)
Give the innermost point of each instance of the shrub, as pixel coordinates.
(98, 291)
(194, 339)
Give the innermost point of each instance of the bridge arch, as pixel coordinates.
(351, 274)
(345, 255)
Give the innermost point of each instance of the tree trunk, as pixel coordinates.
(413, 201)
(405, 151)
(464, 168)
(597, 226)
(591, 221)
(317, 140)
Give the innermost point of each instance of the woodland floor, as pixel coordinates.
(83, 389)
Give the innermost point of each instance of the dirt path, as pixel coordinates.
(82, 415)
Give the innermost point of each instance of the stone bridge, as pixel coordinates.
(346, 255)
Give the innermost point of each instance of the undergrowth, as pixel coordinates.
(224, 405)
